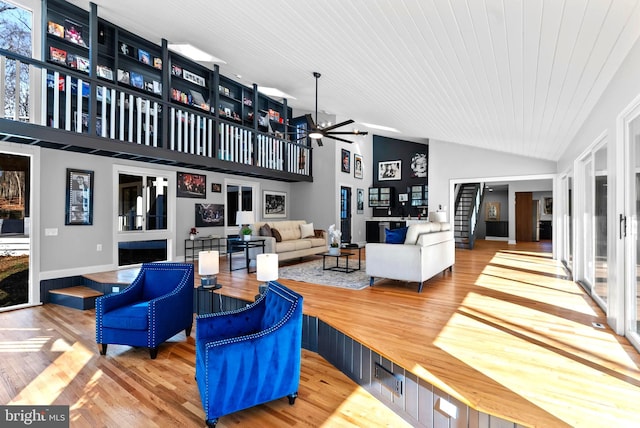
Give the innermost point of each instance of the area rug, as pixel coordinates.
(312, 272)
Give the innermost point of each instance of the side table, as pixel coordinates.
(201, 290)
(200, 244)
(239, 244)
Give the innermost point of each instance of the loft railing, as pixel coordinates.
(75, 102)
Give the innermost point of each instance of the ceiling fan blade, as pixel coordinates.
(339, 139)
(319, 140)
(338, 125)
(347, 133)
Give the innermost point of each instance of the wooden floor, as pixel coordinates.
(505, 333)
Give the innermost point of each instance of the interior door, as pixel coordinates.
(524, 209)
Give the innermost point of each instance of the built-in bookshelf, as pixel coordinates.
(135, 64)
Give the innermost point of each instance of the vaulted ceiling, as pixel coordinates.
(511, 75)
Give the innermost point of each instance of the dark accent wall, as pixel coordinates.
(391, 149)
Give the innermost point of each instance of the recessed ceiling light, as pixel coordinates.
(194, 53)
(380, 127)
(274, 92)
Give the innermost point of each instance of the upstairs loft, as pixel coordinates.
(69, 109)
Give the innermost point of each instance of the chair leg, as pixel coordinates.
(211, 423)
(153, 352)
(103, 349)
(187, 330)
(292, 398)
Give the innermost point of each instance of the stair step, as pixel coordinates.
(79, 297)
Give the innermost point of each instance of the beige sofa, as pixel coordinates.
(292, 245)
(428, 249)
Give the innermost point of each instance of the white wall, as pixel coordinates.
(450, 162)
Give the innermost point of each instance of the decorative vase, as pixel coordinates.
(334, 251)
(192, 236)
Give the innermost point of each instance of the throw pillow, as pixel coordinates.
(395, 236)
(276, 234)
(265, 230)
(306, 230)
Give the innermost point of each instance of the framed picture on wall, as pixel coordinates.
(216, 187)
(192, 185)
(274, 204)
(492, 211)
(548, 205)
(79, 202)
(357, 165)
(209, 215)
(346, 161)
(359, 201)
(419, 165)
(390, 170)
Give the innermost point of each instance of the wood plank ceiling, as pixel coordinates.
(511, 75)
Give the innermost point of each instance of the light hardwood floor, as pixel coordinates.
(505, 333)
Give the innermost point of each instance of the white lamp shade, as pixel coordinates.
(267, 267)
(244, 217)
(208, 263)
(438, 216)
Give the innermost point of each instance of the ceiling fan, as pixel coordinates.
(316, 132)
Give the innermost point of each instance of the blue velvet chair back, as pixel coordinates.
(251, 355)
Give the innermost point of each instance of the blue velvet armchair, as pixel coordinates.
(156, 306)
(251, 355)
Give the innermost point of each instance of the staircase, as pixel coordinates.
(467, 205)
(78, 297)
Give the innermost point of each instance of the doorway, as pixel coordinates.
(524, 210)
(345, 213)
(15, 243)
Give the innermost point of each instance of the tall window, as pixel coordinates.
(15, 36)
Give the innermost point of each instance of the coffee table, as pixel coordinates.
(337, 267)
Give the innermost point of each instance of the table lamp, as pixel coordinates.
(266, 269)
(244, 219)
(208, 268)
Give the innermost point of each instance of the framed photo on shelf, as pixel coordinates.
(136, 80)
(390, 170)
(359, 201)
(83, 63)
(216, 187)
(274, 204)
(357, 165)
(55, 29)
(209, 215)
(123, 77)
(73, 32)
(104, 72)
(144, 57)
(346, 161)
(157, 63)
(192, 77)
(176, 71)
(58, 55)
(79, 202)
(192, 185)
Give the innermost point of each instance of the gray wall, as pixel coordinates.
(502, 197)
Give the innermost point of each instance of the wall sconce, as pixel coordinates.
(266, 269)
(208, 268)
(244, 219)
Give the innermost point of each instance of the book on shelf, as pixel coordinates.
(55, 29)
(157, 63)
(136, 80)
(157, 87)
(72, 61)
(73, 32)
(58, 55)
(83, 63)
(127, 50)
(176, 71)
(144, 57)
(192, 77)
(148, 86)
(104, 72)
(123, 77)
